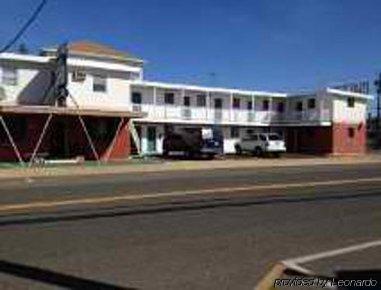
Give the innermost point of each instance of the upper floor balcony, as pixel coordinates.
(222, 107)
(173, 113)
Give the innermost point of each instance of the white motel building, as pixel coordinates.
(108, 85)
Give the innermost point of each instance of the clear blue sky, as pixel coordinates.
(258, 44)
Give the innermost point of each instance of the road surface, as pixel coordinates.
(215, 229)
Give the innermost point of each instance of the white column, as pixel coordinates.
(253, 107)
(286, 115)
(154, 102)
(270, 108)
(231, 106)
(208, 105)
(182, 103)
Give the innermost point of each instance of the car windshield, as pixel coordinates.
(274, 137)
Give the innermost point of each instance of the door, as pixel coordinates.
(218, 109)
(186, 111)
(151, 139)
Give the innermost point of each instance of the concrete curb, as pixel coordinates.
(181, 166)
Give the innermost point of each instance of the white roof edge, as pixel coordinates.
(97, 64)
(349, 94)
(132, 59)
(205, 89)
(25, 57)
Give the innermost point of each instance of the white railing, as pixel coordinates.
(174, 112)
(186, 113)
(309, 116)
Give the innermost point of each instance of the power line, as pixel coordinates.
(25, 26)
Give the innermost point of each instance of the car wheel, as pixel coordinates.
(238, 149)
(276, 155)
(258, 151)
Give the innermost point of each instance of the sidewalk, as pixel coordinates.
(13, 172)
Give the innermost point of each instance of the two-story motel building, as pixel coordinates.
(108, 90)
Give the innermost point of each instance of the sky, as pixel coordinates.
(277, 45)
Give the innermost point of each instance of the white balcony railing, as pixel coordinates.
(186, 113)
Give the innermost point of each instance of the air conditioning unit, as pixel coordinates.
(136, 108)
(78, 76)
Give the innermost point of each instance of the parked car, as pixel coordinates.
(261, 144)
(190, 145)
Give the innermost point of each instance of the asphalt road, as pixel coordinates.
(217, 229)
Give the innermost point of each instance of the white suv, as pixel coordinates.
(261, 143)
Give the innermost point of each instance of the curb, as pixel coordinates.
(14, 174)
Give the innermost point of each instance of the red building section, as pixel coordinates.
(337, 139)
(65, 137)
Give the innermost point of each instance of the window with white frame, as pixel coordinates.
(351, 102)
(169, 98)
(99, 83)
(9, 76)
(201, 100)
(136, 98)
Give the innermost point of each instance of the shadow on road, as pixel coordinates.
(175, 206)
(54, 278)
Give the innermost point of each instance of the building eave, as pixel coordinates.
(349, 94)
(173, 86)
(71, 111)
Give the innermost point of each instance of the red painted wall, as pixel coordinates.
(309, 139)
(121, 148)
(345, 143)
(335, 139)
(76, 144)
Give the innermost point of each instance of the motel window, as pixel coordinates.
(299, 106)
(351, 102)
(236, 103)
(136, 98)
(234, 132)
(9, 76)
(265, 105)
(311, 103)
(351, 132)
(249, 105)
(280, 107)
(169, 98)
(99, 84)
(201, 101)
(187, 101)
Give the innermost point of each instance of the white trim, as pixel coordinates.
(163, 85)
(240, 124)
(85, 63)
(349, 94)
(25, 57)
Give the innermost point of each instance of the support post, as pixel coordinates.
(252, 108)
(231, 107)
(208, 105)
(37, 147)
(85, 130)
(154, 99)
(89, 138)
(14, 146)
(271, 113)
(112, 145)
